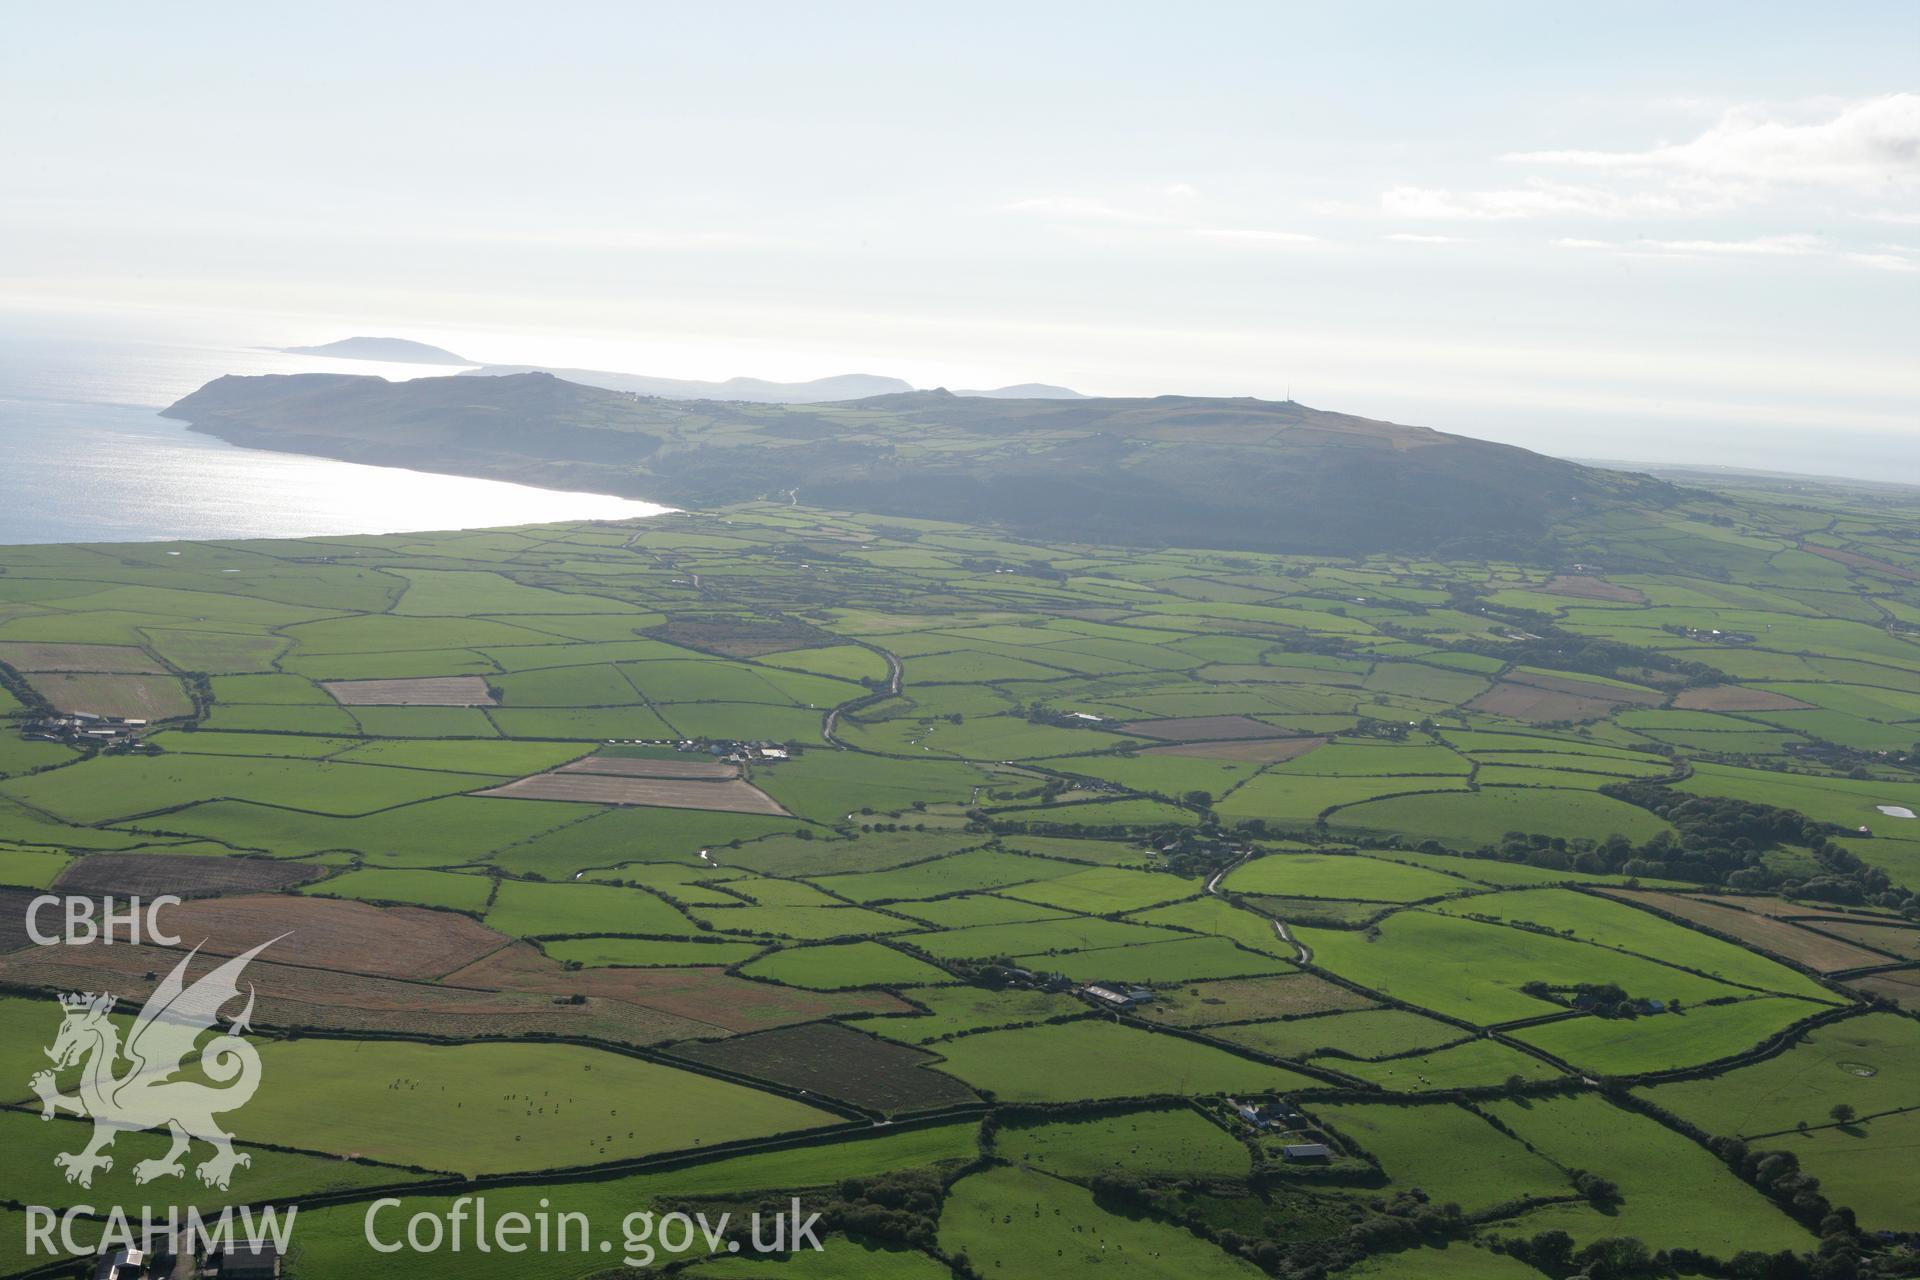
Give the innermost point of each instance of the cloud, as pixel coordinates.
(1883, 261)
(1863, 144)
(599, 238)
(1079, 209)
(1540, 198)
(1410, 237)
(1102, 219)
(1257, 236)
(1750, 156)
(1887, 258)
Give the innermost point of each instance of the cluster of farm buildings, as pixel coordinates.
(732, 751)
(87, 731)
(165, 1255)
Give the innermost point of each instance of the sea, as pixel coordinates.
(86, 457)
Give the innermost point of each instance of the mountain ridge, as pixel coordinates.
(1171, 470)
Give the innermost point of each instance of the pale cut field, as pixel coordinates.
(31, 656)
(1258, 750)
(623, 767)
(732, 796)
(420, 691)
(1731, 697)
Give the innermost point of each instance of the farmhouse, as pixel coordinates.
(122, 1264)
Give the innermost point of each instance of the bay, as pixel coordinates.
(86, 457)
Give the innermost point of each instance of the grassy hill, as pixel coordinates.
(1172, 470)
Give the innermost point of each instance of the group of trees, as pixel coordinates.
(1717, 840)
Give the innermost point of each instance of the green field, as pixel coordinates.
(1608, 923)
(1446, 1151)
(837, 967)
(1675, 1194)
(1363, 1033)
(1100, 1060)
(421, 888)
(1692, 1037)
(1175, 1143)
(1870, 1063)
(1488, 964)
(1341, 813)
(1312, 875)
(665, 953)
(1474, 1064)
(484, 1108)
(539, 910)
(1003, 1219)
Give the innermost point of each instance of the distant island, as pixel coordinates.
(845, 386)
(1028, 391)
(398, 350)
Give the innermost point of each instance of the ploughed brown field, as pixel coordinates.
(1200, 728)
(1816, 912)
(730, 796)
(1901, 986)
(186, 875)
(324, 1000)
(626, 767)
(737, 637)
(419, 691)
(1259, 750)
(1854, 559)
(710, 996)
(350, 966)
(29, 655)
(1733, 697)
(1539, 706)
(834, 1061)
(1768, 933)
(335, 933)
(13, 917)
(1901, 942)
(1586, 587)
(1585, 688)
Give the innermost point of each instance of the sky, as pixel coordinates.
(1685, 233)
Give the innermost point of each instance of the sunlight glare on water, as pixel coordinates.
(84, 457)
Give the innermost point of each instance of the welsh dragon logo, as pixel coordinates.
(146, 1095)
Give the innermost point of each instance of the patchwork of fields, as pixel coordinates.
(1028, 901)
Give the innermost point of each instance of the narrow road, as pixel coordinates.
(1280, 929)
(1286, 936)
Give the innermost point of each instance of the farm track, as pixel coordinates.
(1280, 929)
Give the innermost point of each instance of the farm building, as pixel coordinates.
(1307, 1151)
(121, 1264)
(251, 1260)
